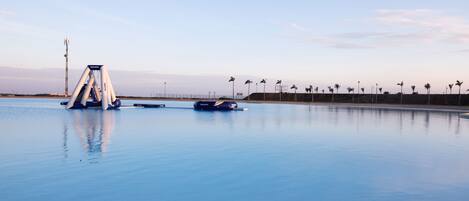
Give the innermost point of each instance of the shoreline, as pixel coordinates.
(403, 107)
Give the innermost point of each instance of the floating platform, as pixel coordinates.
(92, 104)
(216, 105)
(464, 115)
(149, 105)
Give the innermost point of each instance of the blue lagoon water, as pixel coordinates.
(270, 152)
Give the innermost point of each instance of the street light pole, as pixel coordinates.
(164, 92)
(66, 42)
(376, 92)
(358, 92)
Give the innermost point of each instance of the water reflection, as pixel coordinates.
(93, 129)
(398, 121)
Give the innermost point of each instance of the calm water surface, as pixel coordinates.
(270, 152)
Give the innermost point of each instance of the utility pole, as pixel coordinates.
(66, 42)
(164, 89)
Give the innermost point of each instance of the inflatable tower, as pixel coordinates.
(96, 85)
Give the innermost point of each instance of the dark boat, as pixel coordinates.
(215, 105)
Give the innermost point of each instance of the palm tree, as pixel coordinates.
(427, 86)
(450, 88)
(380, 90)
(459, 83)
(279, 83)
(232, 79)
(413, 89)
(248, 82)
(310, 90)
(350, 89)
(332, 92)
(316, 89)
(294, 87)
(363, 92)
(402, 85)
(337, 86)
(263, 81)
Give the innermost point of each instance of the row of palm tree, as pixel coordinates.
(336, 88)
(428, 86)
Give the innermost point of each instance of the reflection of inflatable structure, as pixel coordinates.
(94, 129)
(98, 88)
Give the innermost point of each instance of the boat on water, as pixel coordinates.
(464, 115)
(216, 105)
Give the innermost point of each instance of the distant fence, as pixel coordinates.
(421, 99)
(193, 96)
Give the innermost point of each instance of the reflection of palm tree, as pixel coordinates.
(294, 87)
(413, 89)
(427, 86)
(263, 81)
(459, 83)
(232, 79)
(402, 85)
(248, 82)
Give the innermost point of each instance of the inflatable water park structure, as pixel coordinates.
(95, 84)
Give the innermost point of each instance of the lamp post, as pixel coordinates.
(358, 92)
(376, 92)
(164, 91)
(66, 42)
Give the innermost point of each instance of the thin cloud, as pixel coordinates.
(338, 43)
(436, 24)
(416, 26)
(326, 40)
(298, 27)
(82, 9)
(13, 26)
(463, 51)
(7, 13)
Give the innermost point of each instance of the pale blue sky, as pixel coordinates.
(317, 41)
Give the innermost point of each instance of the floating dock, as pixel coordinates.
(149, 105)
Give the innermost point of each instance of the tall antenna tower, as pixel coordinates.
(66, 42)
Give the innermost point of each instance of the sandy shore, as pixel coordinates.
(429, 108)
